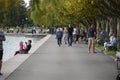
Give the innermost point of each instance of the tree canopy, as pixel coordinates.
(12, 12)
(62, 12)
(57, 12)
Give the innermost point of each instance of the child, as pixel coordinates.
(59, 36)
(21, 47)
(23, 50)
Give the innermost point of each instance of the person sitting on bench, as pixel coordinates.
(113, 41)
(26, 49)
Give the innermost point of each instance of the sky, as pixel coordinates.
(27, 1)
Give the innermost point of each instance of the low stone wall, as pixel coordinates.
(14, 34)
(26, 35)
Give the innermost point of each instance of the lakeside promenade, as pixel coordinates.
(48, 61)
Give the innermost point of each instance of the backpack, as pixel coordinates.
(59, 34)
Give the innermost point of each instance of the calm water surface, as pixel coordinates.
(12, 44)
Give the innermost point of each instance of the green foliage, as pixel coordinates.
(58, 12)
(111, 53)
(100, 47)
(13, 12)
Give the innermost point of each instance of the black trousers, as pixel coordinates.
(59, 41)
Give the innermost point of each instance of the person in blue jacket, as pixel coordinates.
(59, 35)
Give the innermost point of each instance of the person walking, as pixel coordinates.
(74, 34)
(2, 38)
(70, 35)
(59, 36)
(91, 38)
(65, 35)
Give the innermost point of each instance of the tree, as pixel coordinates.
(13, 12)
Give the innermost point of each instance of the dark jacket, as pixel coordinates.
(70, 31)
(59, 34)
(91, 32)
(2, 38)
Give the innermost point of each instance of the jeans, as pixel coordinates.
(70, 40)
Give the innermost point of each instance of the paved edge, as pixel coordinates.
(13, 63)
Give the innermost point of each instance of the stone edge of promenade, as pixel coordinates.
(13, 63)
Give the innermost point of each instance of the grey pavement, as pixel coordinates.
(51, 62)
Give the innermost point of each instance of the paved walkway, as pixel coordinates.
(51, 62)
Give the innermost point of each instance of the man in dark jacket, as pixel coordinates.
(2, 38)
(70, 35)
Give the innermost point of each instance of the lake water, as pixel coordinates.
(12, 44)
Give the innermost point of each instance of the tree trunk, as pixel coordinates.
(107, 25)
(118, 31)
(115, 26)
(110, 24)
(98, 27)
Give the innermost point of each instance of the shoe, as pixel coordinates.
(94, 52)
(89, 52)
(1, 74)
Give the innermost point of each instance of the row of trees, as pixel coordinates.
(57, 12)
(60, 12)
(104, 13)
(12, 12)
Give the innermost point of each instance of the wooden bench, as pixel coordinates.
(114, 47)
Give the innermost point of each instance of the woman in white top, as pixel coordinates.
(65, 35)
(106, 44)
(74, 34)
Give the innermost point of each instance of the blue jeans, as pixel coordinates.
(70, 40)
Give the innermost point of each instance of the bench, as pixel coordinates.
(114, 47)
(101, 39)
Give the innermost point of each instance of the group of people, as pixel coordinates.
(92, 35)
(69, 34)
(23, 49)
(92, 38)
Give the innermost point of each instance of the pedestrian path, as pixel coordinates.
(51, 62)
